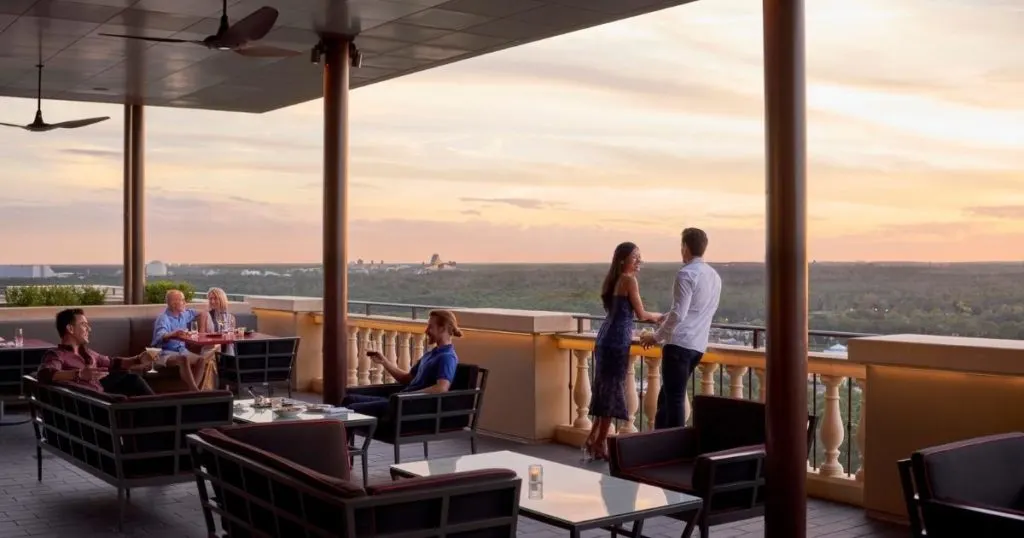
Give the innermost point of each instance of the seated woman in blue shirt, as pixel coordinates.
(434, 372)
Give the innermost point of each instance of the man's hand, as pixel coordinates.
(377, 357)
(180, 333)
(88, 373)
(647, 340)
(145, 359)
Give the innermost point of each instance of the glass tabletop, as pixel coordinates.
(570, 494)
(244, 411)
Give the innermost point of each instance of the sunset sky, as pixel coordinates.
(558, 150)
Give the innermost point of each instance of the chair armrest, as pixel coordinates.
(413, 396)
(733, 469)
(440, 481)
(650, 448)
(381, 391)
(948, 518)
(414, 406)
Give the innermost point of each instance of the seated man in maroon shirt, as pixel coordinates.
(72, 362)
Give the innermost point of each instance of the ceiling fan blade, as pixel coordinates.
(266, 52)
(252, 28)
(74, 124)
(144, 38)
(12, 125)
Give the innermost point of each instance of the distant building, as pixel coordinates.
(26, 271)
(156, 268)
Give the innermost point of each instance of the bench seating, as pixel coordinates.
(126, 442)
(115, 337)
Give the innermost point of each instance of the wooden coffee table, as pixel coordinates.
(354, 422)
(570, 498)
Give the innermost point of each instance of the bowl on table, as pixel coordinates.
(288, 411)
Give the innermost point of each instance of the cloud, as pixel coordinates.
(90, 152)
(997, 212)
(522, 203)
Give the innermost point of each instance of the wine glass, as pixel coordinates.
(153, 353)
(372, 346)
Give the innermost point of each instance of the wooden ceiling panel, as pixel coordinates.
(397, 37)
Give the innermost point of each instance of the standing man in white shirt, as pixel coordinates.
(683, 332)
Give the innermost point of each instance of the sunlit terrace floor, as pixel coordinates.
(69, 502)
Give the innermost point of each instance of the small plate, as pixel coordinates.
(319, 408)
(289, 412)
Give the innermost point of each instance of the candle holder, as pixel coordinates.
(535, 476)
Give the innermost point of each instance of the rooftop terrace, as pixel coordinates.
(70, 501)
(536, 402)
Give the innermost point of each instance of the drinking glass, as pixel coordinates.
(371, 345)
(153, 352)
(19, 337)
(536, 481)
(193, 329)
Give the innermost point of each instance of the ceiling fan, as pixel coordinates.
(40, 126)
(234, 37)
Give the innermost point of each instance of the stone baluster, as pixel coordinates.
(376, 370)
(762, 384)
(364, 361)
(653, 384)
(632, 398)
(736, 378)
(390, 339)
(419, 343)
(707, 378)
(581, 389)
(862, 426)
(832, 431)
(404, 355)
(353, 355)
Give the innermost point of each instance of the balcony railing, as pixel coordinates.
(836, 388)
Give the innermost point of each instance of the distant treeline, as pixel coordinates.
(984, 300)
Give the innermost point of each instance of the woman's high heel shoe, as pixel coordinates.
(588, 452)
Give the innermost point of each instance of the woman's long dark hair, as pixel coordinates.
(623, 251)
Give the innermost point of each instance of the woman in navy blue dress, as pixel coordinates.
(620, 295)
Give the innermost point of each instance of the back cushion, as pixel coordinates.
(247, 320)
(141, 333)
(38, 329)
(314, 455)
(987, 471)
(110, 336)
(724, 423)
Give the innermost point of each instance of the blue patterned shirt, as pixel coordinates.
(167, 323)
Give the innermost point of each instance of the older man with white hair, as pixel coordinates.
(168, 332)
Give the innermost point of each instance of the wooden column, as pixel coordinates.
(137, 168)
(335, 237)
(786, 468)
(128, 259)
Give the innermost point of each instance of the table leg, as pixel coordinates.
(364, 451)
(636, 531)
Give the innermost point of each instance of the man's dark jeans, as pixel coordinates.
(375, 406)
(125, 383)
(677, 364)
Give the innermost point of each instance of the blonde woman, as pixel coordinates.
(213, 320)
